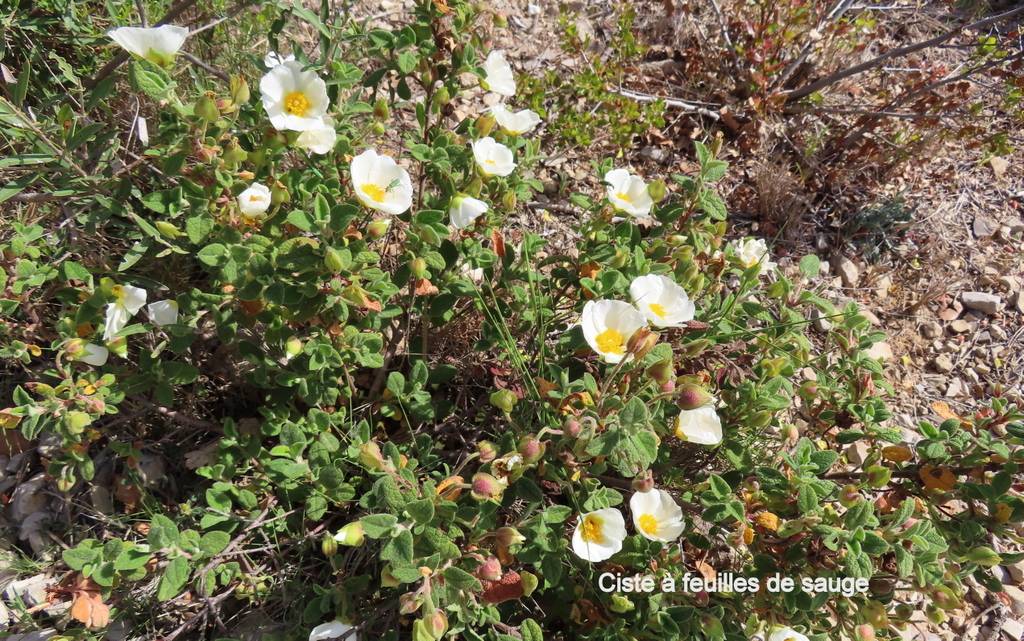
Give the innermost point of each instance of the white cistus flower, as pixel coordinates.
(95, 355)
(273, 59)
(254, 201)
(656, 515)
(319, 139)
(464, 210)
(498, 76)
(701, 426)
(753, 251)
(156, 44)
(661, 300)
(493, 158)
(128, 301)
(608, 325)
(163, 312)
(516, 123)
(381, 183)
(599, 534)
(628, 193)
(294, 99)
(786, 634)
(333, 630)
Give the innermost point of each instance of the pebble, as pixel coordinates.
(857, 453)
(882, 287)
(32, 591)
(931, 330)
(819, 321)
(959, 326)
(956, 388)
(984, 227)
(1016, 596)
(1013, 629)
(943, 364)
(881, 351)
(981, 301)
(848, 271)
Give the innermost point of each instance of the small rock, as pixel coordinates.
(1009, 283)
(1016, 571)
(881, 351)
(32, 591)
(943, 364)
(848, 271)
(857, 453)
(882, 287)
(1013, 630)
(998, 333)
(1016, 596)
(37, 635)
(1018, 302)
(999, 166)
(956, 388)
(819, 321)
(959, 326)
(1002, 574)
(981, 301)
(931, 330)
(984, 227)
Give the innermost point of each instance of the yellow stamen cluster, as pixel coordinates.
(296, 103)
(611, 341)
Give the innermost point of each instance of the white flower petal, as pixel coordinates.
(332, 630)
(116, 320)
(701, 426)
(320, 139)
(608, 325)
(599, 534)
(254, 201)
(95, 355)
(156, 44)
(628, 193)
(133, 298)
(498, 75)
(465, 210)
(515, 123)
(786, 634)
(656, 515)
(493, 158)
(294, 99)
(163, 312)
(380, 183)
(663, 302)
(273, 59)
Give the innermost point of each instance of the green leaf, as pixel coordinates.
(150, 79)
(132, 558)
(531, 630)
(163, 533)
(422, 511)
(80, 556)
(174, 579)
(213, 543)
(398, 549)
(810, 265)
(377, 526)
(461, 580)
(718, 486)
(807, 500)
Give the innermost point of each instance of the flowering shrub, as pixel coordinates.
(403, 415)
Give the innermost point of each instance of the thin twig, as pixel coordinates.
(669, 102)
(833, 78)
(199, 63)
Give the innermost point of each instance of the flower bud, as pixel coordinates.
(642, 341)
(239, 88)
(849, 496)
(504, 400)
(808, 390)
(500, 21)
(418, 267)
(378, 128)
(662, 371)
(571, 427)
(279, 194)
(378, 228)
(790, 432)
(450, 488)
(531, 448)
(657, 190)
(474, 187)
(644, 482)
(621, 604)
(370, 456)
(864, 632)
(488, 451)
(761, 419)
(509, 536)
(387, 579)
(436, 624)
(328, 545)
(878, 476)
(667, 387)
(484, 124)
(696, 347)
(508, 200)
(691, 396)
(486, 487)
(234, 155)
(489, 570)
(351, 535)
(442, 96)
(293, 347)
(529, 582)
(166, 229)
(206, 107)
(381, 111)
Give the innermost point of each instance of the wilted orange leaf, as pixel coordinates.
(87, 605)
(424, 288)
(942, 410)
